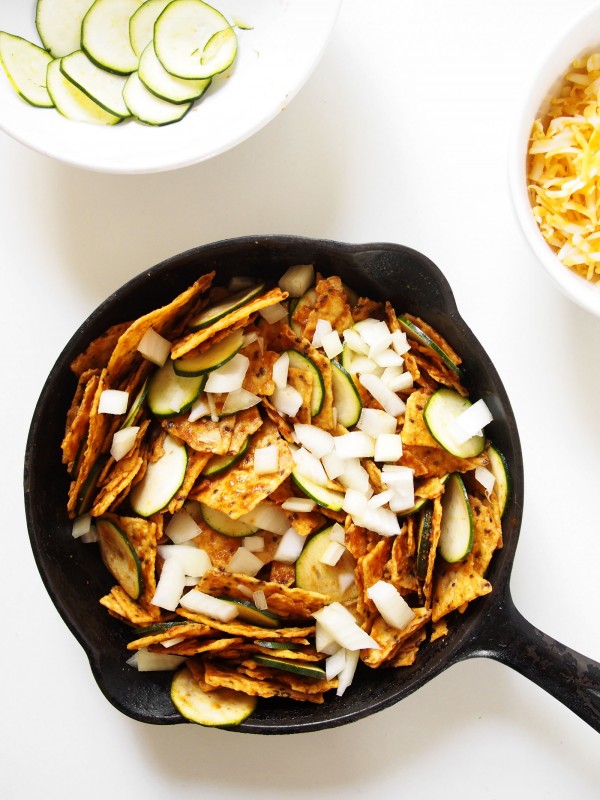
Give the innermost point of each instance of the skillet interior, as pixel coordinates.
(73, 574)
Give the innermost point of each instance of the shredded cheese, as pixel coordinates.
(564, 170)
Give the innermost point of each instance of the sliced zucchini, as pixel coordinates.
(161, 83)
(442, 409)
(346, 399)
(307, 300)
(215, 312)
(221, 523)
(170, 394)
(456, 537)
(301, 361)
(419, 503)
(147, 107)
(314, 576)
(105, 35)
(328, 498)
(212, 358)
(161, 480)
(424, 540)
(297, 667)
(119, 557)
(58, 23)
(414, 332)
(220, 464)
(499, 469)
(88, 489)
(106, 88)
(194, 40)
(71, 102)
(26, 66)
(276, 645)
(135, 406)
(220, 708)
(159, 627)
(248, 612)
(141, 24)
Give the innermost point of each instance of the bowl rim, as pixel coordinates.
(545, 76)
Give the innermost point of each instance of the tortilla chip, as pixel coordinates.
(408, 651)
(439, 462)
(220, 675)
(186, 630)
(78, 417)
(430, 488)
(283, 426)
(195, 464)
(302, 381)
(366, 308)
(456, 584)
(331, 305)
(402, 567)
(247, 422)
(122, 606)
(203, 434)
(437, 370)
(240, 489)
(247, 630)
(435, 337)
(285, 574)
(487, 532)
(439, 629)
(193, 339)
(369, 569)
(390, 639)
(120, 477)
(259, 377)
(98, 352)
(142, 535)
(414, 430)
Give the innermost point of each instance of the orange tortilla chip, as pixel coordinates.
(192, 340)
(203, 434)
(414, 430)
(456, 584)
(331, 305)
(98, 352)
(390, 639)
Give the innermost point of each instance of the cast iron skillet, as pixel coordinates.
(75, 578)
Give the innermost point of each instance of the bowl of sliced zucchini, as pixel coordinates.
(274, 485)
(135, 86)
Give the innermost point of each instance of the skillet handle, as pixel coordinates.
(570, 677)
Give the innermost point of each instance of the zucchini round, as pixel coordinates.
(119, 557)
(221, 708)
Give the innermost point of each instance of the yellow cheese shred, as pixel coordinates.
(563, 170)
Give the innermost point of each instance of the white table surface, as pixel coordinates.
(400, 135)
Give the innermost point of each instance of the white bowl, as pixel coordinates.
(582, 37)
(274, 60)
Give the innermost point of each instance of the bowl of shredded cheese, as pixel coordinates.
(555, 162)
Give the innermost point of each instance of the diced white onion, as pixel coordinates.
(332, 344)
(280, 371)
(199, 409)
(250, 338)
(81, 526)
(356, 477)
(297, 279)
(382, 521)
(341, 625)
(194, 561)
(355, 342)
(354, 503)
(391, 605)
(400, 342)
(171, 642)
(388, 400)
(337, 533)
(239, 282)
(123, 441)
(356, 444)
(324, 641)
(181, 527)
(485, 478)
(273, 314)
(333, 552)
(290, 547)
(335, 664)
(378, 337)
(380, 499)
(309, 466)
(155, 662)
(334, 465)
(365, 365)
(322, 328)
(239, 400)
(113, 401)
(347, 674)
(256, 544)
(472, 420)
(314, 439)
(259, 599)
(229, 377)
(298, 504)
(154, 347)
(388, 447)
(244, 562)
(396, 379)
(191, 581)
(90, 537)
(244, 590)
(211, 606)
(266, 460)
(374, 421)
(287, 401)
(388, 358)
(212, 405)
(170, 585)
(345, 581)
(267, 517)
(401, 481)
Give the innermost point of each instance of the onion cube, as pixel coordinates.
(341, 625)
(335, 664)
(337, 533)
(388, 400)
(260, 600)
(199, 409)
(182, 527)
(356, 444)
(396, 379)
(309, 466)
(154, 347)
(123, 441)
(267, 517)
(239, 400)
(299, 504)
(194, 561)
(388, 447)
(380, 499)
(485, 478)
(156, 662)
(355, 342)
(256, 544)
(229, 377)
(400, 342)
(274, 313)
(374, 421)
(322, 328)
(356, 477)
(213, 607)
(280, 371)
(244, 562)
(347, 674)
(388, 358)
(287, 401)
(332, 344)
(290, 547)
(266, 460)
(170, 585)
(391, 605)
(471, 421)
(113, 401)
(297, 279)
(81, 526)
(355, 503)
(382, 521)
(334, 465)
(333, 552)
(317, 441)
